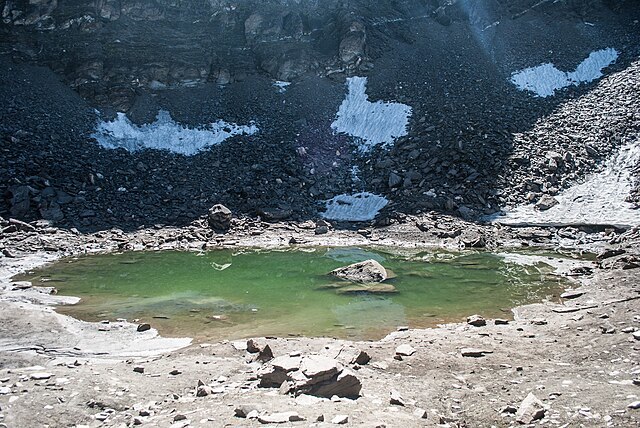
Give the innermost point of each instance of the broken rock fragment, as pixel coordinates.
(312, 375)
(531, 409)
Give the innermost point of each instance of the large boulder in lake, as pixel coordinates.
(219, 217)
(366, 272)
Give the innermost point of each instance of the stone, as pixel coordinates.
(340, 419)
(366, 272)
(474, 352)
(420, 413)
(41, 376)
(394, 180)
(354, 356)
(138, 369)
(219, 217)
(264, 353)
(276, 372)
(501, 321)
(243, 410)
(636, 335)
(4, 390)
(20, 202)
(367, 288)
(346, 385)
(635, 405)
(143, 327)
(280, 418)
(571, 294)
(203, 391)
(396, 399)
(546, 202)
(319, 368)
(472, 239)
(476, 321)
(405, 350)
(531, 409)
(321, 230)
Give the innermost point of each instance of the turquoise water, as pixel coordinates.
(242, 293)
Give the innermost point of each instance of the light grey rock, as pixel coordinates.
(531, 409)
(41, 376)
(243, 410)
(420, 413)
(571, 294)
(366, 272)
(396, 399)
(340, 420)
(405, 350)
(546, 202)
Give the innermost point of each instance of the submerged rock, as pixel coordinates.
(366, 272)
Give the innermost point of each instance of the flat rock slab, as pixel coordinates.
(571, 294)
(474, 352)
(280, 418)
(405, 350)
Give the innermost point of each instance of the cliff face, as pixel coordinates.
(475, 141)
(107, 49)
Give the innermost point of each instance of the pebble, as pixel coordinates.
(143, 327)
(635, 405)
(340, 419)
(476, 321)
(405, 350)
(4, 390)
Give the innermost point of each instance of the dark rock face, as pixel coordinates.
(219, 217)
(474, 144)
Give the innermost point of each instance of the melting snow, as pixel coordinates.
(282, 86)
(165, 134)
(357, 207)
(545, 79)
(599, 200)
(373, 123)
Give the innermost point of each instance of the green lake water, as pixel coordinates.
(242, 293)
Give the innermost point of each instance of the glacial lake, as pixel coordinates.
(231, 294)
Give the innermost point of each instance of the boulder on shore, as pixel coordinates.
(219, 217)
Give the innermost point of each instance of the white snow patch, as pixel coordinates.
(165, 134)
(600, 200)
(373, 123)
(357, 207)
(282, 86)
(545, 79)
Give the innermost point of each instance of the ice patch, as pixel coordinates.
(372, 123)
(545, 79)
(600, 200)
(357, 207)
(282, 86)
(165, 134)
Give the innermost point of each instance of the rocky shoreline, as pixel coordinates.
(577, 358)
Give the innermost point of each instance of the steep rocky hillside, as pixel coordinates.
(475, 142)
